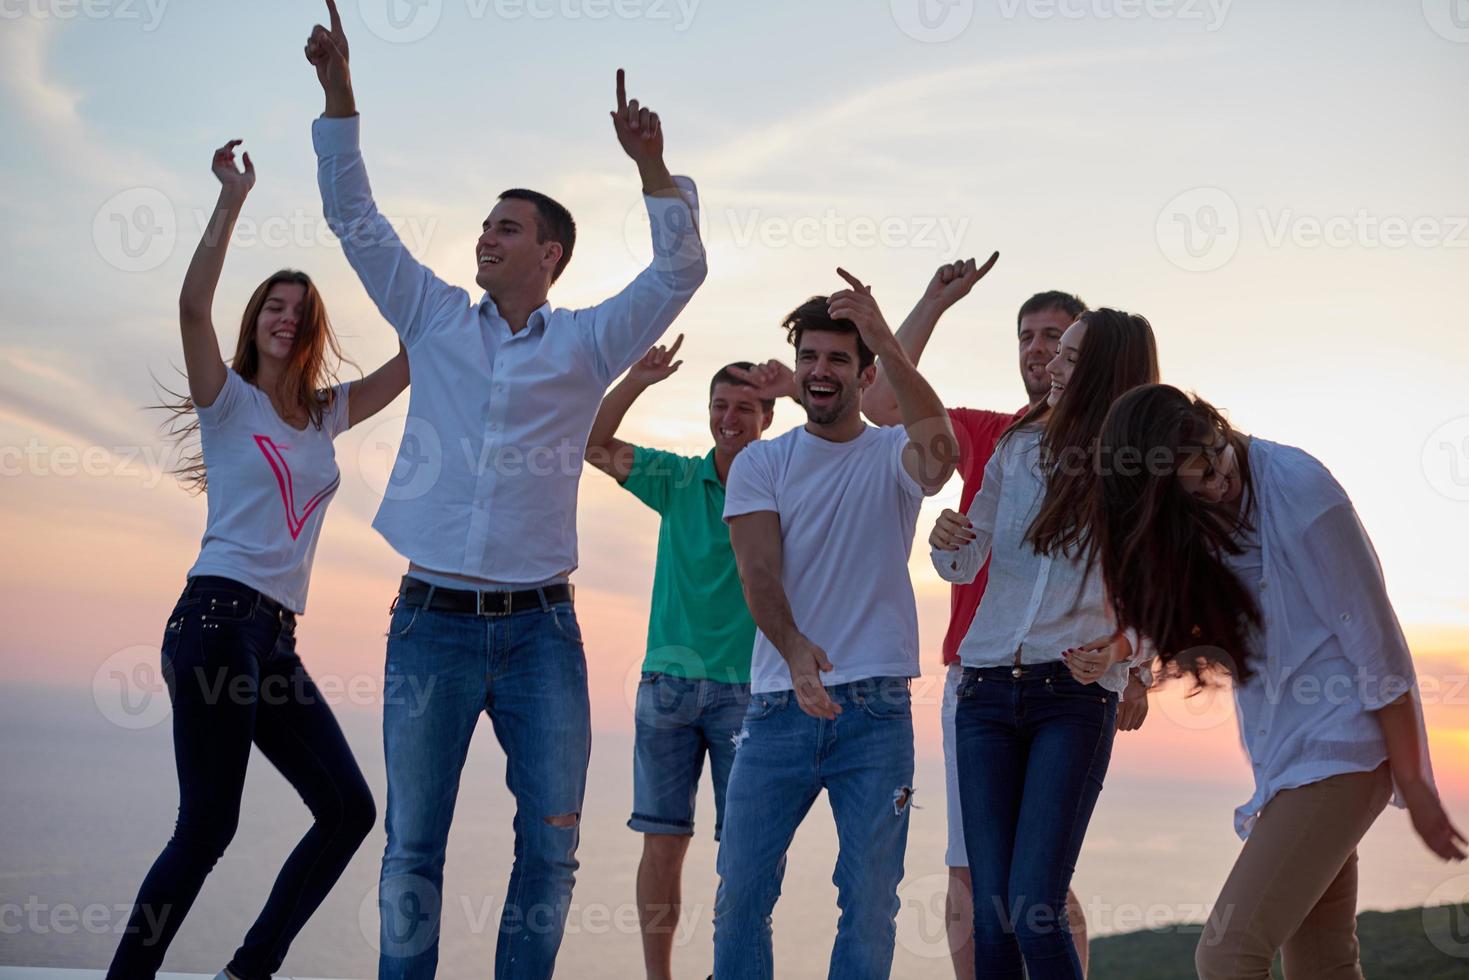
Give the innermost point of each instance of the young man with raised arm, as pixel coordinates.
(483, 505)
(1039, 325)
(695, 681)
(822, 520)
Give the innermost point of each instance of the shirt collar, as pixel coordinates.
(541, 315)
(707, 470)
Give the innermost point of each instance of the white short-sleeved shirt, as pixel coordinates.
(847, 511)
(269, 486)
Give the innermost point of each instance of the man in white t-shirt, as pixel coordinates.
(822, 520)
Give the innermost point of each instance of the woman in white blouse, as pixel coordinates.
(1273, 582)
(1043, 663)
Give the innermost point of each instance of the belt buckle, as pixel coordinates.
(500, 608)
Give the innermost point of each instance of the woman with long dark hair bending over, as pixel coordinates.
(266, 426)
(1241, 557)
(1043, 662)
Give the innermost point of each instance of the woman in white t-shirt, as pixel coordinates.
(266, 425)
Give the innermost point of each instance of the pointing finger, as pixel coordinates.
(621, 92)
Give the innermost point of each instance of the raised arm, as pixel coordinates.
(624, 326)
(759, 553)
(951, 283)
(604, 450)
(375, 392)
(933, 451)
(407, 294)
(202, 362)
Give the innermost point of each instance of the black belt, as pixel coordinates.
(414, 592)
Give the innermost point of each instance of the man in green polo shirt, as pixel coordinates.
(696, 675)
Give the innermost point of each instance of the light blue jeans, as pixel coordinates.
(527, 671)
(864, 760)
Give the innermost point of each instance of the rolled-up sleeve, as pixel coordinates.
(960, 567)
(407, 293)
(622, 328)
(1348, 592)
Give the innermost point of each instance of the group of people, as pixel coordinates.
(1111, 528)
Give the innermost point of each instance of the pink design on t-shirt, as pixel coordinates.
(282, 472)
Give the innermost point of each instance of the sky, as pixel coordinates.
(1277, 187)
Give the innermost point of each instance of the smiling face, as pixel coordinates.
(508, 255)
(280, 320)
(828, 376)
(1213, 475)
(1040, 335)
(1062, 367)
(736, 417)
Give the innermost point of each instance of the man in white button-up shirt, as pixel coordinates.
(482, 503)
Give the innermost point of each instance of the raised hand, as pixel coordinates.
(638, 128)
(233, 180)
(808, 662)
(951, 531)
(856, 304)
(953, 281)
(326, 50)
(773, 379)
(656, 365)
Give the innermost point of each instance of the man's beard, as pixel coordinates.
(828, 414)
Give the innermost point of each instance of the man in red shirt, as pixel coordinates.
(1040, 323)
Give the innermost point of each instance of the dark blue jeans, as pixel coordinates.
(234, 679)
(528, 672)
(1033, 751)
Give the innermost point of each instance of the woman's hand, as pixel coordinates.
(1432, 823)
(1090, 661)
(1133, 710)
(951, 531)
(234, 181)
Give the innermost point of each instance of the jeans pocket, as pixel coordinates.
(401, 623)
(762, 706)
(563, 615)
(968, 686)
(887, 702)
(1068, 688)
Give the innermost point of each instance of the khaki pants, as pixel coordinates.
(1294, 887)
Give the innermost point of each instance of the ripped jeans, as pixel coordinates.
(528, 672)
(864, 760)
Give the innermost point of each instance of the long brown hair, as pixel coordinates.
(305, 383)
(1161, 548)
(1117, 353)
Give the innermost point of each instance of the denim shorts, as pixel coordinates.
(679, 719)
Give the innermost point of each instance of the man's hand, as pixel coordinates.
(1133, 710)
(1090, 661)
(856, 304)
(233, 182)
(953, 281)
(951, 531)
(656, 365)
(640, 132)
(773, 379)
(808, 662)
(327, 51)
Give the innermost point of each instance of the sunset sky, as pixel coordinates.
(1278, 187)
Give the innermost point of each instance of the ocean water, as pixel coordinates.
(87, 805)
